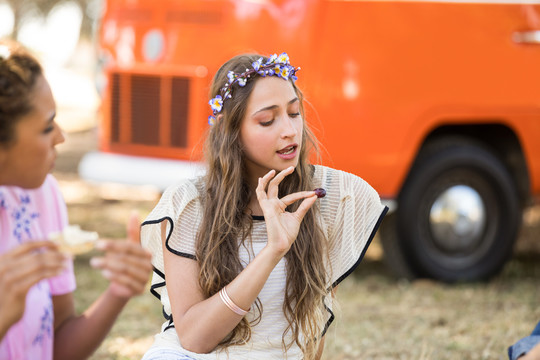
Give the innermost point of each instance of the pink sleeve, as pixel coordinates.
(56, 219)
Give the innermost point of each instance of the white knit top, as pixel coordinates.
(350, 212)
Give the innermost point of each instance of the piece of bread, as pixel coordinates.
(75, 241)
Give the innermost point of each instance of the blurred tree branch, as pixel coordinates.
(21, 7)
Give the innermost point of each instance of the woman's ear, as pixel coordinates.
(219, 117)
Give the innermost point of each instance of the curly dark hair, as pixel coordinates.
(19, 71)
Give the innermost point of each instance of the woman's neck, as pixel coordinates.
(253, 181)
(254, 206)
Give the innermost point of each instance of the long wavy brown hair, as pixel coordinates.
(227, 220)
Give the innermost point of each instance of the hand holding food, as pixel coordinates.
(20, 269)
(72, 240)
(282, 226)
(125, 263)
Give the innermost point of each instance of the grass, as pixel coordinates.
(379, 317)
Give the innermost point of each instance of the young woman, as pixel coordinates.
(246, 259)
(37, 313)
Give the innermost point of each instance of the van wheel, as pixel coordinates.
(394, 258)
(458, 213)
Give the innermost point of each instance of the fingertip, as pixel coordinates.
(96, 262)
(133, 227)
(311, 200)
(42, 243)
(102, 244)
(68, 257)
(107, 274)
(134, 214)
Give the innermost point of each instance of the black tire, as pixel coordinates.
(456, 166)
(394, 258)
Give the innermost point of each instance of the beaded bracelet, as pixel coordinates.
(230, 304)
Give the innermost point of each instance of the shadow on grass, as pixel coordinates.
(373, 267)
(522, 266)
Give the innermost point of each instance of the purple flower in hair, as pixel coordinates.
(257, 64)
(285, 73)
(231, 76)
(275, 66)
(283, 58)
(216, 103)
(272, 59)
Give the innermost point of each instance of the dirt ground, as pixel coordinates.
(379, 317)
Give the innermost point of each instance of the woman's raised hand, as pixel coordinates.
(282, 226)
(125, 264)
(20, 269)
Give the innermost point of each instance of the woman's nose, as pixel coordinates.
(60, 136)
(288, 130)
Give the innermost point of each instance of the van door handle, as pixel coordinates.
(526, 37)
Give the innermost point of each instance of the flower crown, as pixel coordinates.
(276, 65)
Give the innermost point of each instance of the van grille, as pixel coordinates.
(194, 17)
(140, 109)
(145, 110)
(179, 115)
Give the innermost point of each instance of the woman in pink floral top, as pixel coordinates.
(37, 312)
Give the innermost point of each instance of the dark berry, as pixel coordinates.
(320, 192)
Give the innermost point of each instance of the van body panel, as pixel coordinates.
(379, 74)
(435, 103)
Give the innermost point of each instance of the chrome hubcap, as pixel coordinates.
(458, 219)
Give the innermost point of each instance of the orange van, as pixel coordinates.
(434, 103)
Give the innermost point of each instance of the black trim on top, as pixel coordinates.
(166, 316)
(153, 222)
(153, 291)
(153, 287)
(171, 325)
(157, 271)
(375, 228)
(330, 321)
(257, 217)
(348, 272)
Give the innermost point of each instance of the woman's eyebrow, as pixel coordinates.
(51, 118)
(272, 107)
(293, 101)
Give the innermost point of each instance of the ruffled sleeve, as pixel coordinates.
(179, 212)
(352, 212)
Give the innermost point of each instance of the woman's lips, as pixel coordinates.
(288, 153)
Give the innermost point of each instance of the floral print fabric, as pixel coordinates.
(29, 215)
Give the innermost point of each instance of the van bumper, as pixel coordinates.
(100, 167)
(391, 204)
